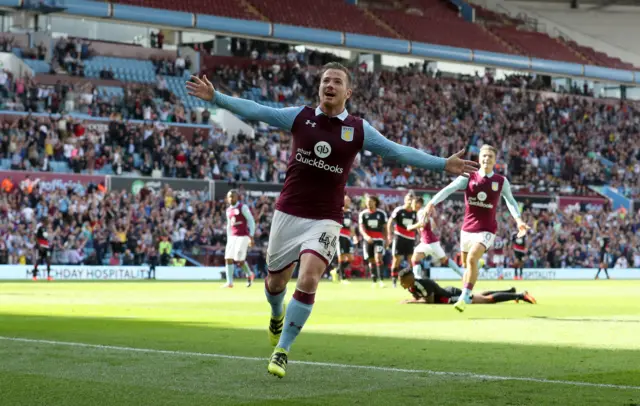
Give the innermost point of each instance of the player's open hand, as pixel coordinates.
(522, 228)
(200, 88)
(457, 166)
(428, 211)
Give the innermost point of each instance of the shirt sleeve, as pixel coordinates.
(281, 118)
(512, 205)
(250, 221)
(228, 226)
(379, 145)
(460, 183)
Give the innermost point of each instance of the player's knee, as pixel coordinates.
(444, 261)
(228, 261)
(276, 282)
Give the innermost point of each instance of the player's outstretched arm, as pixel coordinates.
(281, 118)
(422, 219)
(379, 145)
(513, 207)
(459, 183)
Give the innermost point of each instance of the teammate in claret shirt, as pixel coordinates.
(240, 229)
(428, 291)
(482, 192)
(43, 249)
(306, 223)
(372, 222)
(403, 239)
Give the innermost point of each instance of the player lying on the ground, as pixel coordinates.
(428, 291)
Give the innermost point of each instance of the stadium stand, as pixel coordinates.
(537, 44)
(87, 220)
(431, 29)
(327, 14)
(562, 160)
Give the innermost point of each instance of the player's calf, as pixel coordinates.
(300, 307)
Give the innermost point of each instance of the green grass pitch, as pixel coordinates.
(173, 343)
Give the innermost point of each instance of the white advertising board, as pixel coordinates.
(71, 272)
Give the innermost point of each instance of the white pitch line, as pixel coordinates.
(326, 364)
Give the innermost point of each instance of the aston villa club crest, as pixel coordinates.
(494, 186)
(347, 134)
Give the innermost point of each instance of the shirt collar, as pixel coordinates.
(342, 116)
(481, 173)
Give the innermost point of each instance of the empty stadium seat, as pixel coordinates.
(128, 70)
(537, 44)
(598, 58)
(37, 65)
(451, 31)
(334, 15)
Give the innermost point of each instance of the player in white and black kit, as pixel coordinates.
(519, 251)
(498, 255)
(605, 256)
(345, 242)
(428, 291)
(43, 249)
(403, 239)
(372, 221)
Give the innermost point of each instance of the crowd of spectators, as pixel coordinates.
(549, 142)
(176, 67)
(88, 225)
(70, 55)
(91, 226)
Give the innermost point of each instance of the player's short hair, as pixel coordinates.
(489, 148)
(337, 66)
(419, 200)
(233, 192)
(375, 199)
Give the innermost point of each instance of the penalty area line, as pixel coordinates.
(323, 364)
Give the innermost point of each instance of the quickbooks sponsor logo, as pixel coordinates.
(318, 163)
(474, 202)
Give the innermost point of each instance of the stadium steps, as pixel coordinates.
(251, 9)
(499, 39)
(381, 23)
(574, 51)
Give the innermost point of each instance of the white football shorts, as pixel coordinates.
(434, 249)
(237, 246)
(292, 236)
(467, 240)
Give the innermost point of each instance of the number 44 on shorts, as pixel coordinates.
(327, 241)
